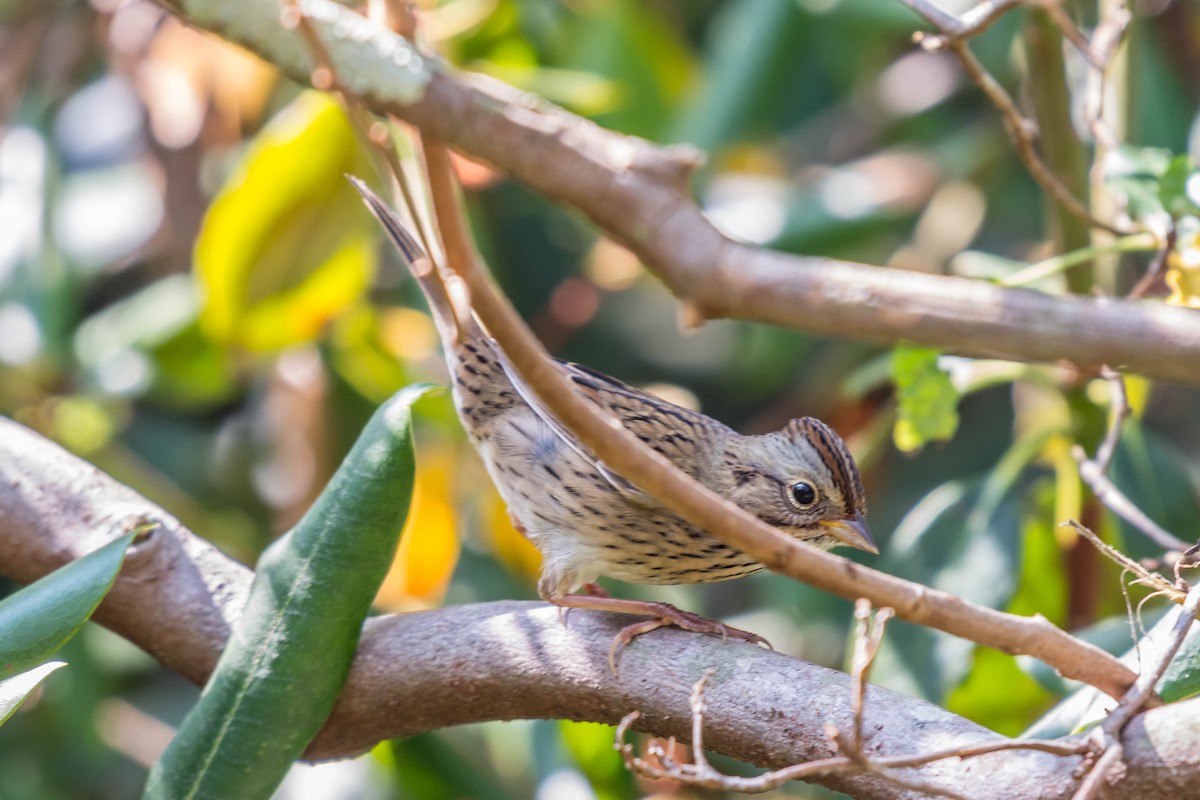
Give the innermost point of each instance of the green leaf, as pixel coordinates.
(1182, 678)
(157, 329)
(1135, 173)
(39, 619)
(758, 48)
(1173, 187)
(965, 538)
(286, 246)
(434, 766)
(290, 652)
(1006, 711)
(1087, 705)
(591, 747)
(192, 371)
(641, 59)
(1131, 161)
(15, 689)
(927, 400)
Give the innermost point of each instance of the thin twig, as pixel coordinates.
(1120, 412)
(1157, 265)
(1144, 576)
(868, 635)
(1134, 243)
(1106, 39)
(1092, 782)
(1143, 689)
(1117, 502)
(972, 23)
(954, 34)
(1094, 472)
(1024, 135)
(1142, 693)
(867, 638)
(1070, 31)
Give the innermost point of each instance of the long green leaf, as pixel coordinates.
(963, 538)
(39, 619)
(14, 690)
(1087, 705)
(288, 656)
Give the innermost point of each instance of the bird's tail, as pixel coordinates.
(453, 320)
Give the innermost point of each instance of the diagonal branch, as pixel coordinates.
(637, 192)
(971, 22)
(1094, 472)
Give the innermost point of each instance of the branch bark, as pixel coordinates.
(177, 597)
(637, 192)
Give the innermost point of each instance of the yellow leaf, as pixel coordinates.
(1183, 275)
(429, 545)
(286, 246)
(508, 545)
(1068, 495)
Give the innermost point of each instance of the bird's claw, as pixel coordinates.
(685, 620)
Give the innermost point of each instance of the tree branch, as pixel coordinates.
(637, 192)
(177, 596)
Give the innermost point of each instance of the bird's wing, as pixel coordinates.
(675, 432)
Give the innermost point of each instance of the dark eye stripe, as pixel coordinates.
(837, 459)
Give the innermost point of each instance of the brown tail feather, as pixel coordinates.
(418, 261)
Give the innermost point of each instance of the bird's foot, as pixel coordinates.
(660, 615)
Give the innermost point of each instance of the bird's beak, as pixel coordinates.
(854, 533)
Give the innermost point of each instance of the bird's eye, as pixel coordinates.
(804, 494)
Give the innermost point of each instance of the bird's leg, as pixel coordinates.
(589, 590)
(661, 615)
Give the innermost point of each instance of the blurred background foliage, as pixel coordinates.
(192, 299)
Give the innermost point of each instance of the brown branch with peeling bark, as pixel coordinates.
(177, 597)
(637, 192)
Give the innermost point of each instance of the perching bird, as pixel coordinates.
(587, 521)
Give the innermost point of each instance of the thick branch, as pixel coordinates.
(177, 597)
(637, 192)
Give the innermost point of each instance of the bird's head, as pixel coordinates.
(803, 481)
